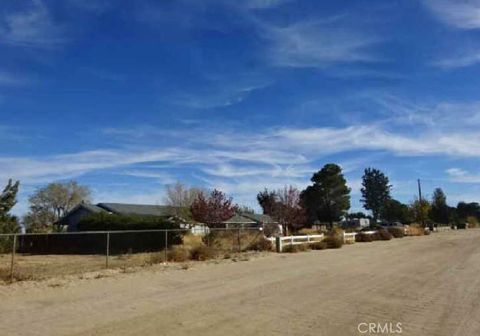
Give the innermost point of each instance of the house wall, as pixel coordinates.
(75, 217)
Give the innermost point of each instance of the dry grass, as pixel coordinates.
(307, 231)
(296, 248)
(415, 230)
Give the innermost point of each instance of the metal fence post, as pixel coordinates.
(107, 250)
(12, 265)
(166, 245)
(238, 240)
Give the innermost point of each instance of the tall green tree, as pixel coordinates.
(420, 210)
(439, 210)
(465, 210)
(375, 191)
(8, 199)
(395, 211)
(328, 198)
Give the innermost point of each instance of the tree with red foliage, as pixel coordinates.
(213, 209)
(285, 206)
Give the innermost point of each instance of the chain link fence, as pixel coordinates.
(43, 255)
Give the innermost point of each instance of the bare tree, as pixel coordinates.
(54, 201)
(180, 198)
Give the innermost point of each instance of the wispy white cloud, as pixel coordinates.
(317, 44)
(32, 27)
(466, 59)
(463, 14)
(263, 4)
(462, 176)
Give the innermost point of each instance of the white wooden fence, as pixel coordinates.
(280, 242)
(295, 240)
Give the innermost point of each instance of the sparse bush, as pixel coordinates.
(333, 242)
(295, 248)
(321, 245)
(383, 234)
(156, 258)
(202, 253)
(415, 230)
(363, 237)
(261, 244)
(396, 231)
(472, 222)
(178, 254)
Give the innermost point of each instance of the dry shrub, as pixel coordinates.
(307, 231)
(362, 237)
(202, 253)
(226, 240)
(472, 221)
(333, 242)
(396, 231)
(415, 230)
(156, 258)
(321, 245)
(295, 248)
(190, 240)
(178, 254)
(383, 234)
(261, 244)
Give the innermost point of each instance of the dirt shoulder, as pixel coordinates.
(429, 284)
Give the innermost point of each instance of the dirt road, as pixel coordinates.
(431, 285)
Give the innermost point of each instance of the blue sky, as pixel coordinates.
(127, 97)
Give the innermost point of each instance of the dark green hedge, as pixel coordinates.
(111, 222)
(95, 243)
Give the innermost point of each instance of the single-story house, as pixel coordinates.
(83, 210)
(241, 220)
(249, 220)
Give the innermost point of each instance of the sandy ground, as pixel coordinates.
(431, 285)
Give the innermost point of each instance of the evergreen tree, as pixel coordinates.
(439, 212)
(328, 199)
(8, 199)
(375, 191)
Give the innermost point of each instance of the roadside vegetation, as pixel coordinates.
(323, 207)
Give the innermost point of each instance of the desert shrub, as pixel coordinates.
(321, 245)
(178, 254)
(260, 244)
(472, 221)
(156, 258)
(383, 234)
(296, 248)
(363, 237)
(427, 231)
(333, 241)
(336, 231)
(415, 230)
(221, 239)
(202, 253)
(396, 231)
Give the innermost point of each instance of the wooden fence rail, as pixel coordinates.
(281, 242)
